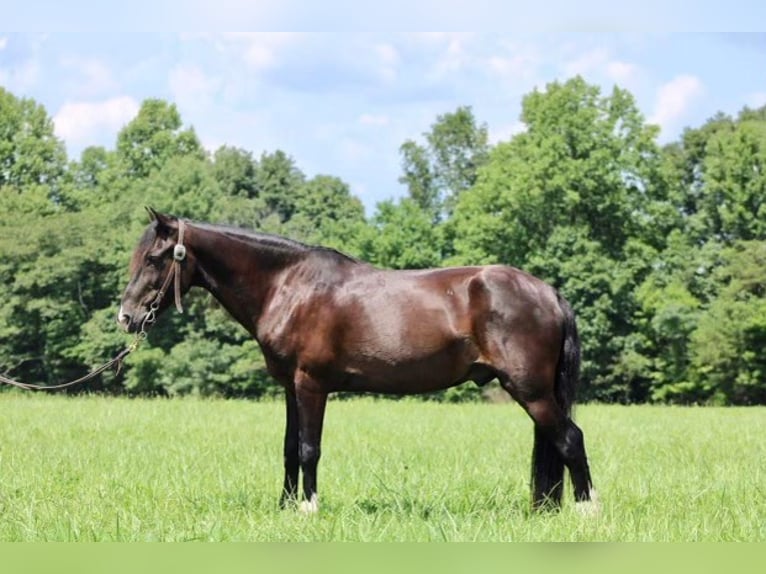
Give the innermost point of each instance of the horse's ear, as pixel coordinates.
(165, 223)
(151, 212)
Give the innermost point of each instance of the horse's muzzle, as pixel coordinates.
(124, 320)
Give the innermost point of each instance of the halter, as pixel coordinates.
(179, 255)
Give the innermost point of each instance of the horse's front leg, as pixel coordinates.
(311, 402)
(291, 461)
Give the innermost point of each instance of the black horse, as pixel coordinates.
(327, 322)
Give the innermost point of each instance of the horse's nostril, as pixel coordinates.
(123, 318)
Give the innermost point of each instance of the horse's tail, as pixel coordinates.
(568, 369)
(547, 463)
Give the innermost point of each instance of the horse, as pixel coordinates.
(327, 323)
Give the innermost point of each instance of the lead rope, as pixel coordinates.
(179, 254)
(117, 360)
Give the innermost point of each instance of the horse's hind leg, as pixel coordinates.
(557, 436)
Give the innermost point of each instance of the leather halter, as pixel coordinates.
(179, 255)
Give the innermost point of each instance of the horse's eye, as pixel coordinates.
(153, 260)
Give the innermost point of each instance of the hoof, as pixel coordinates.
(309, 506)
(590, 507)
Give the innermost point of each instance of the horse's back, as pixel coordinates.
(417, 306)
(418, 331)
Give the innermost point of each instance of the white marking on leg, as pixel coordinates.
(590, 507)
(310, 506)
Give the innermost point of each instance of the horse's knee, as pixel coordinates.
(309, 454)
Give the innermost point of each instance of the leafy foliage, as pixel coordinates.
(438, 173)
(660, 250)
(30, 153)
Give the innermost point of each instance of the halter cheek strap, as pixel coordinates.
(179, 254)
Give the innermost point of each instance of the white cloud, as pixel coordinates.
(388, 57)
(22, 77)
(352, 150)
(374, 120)
(3, 43)
(454, 57)
(673, 100)
(506, 132)
(387, 53)
(261, 50)
(756, 100)
(600, 63)
(514, 64)
(191, 87)
(92, 76)
(81, 123)
(621, 72)
(588, 62)
(519, 66)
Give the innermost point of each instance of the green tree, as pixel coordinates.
(94, 179)
(693, 310)
(278, 182)
(154, 136)
(418, 177)
(235, 171)
(734, 198)
(670, 300)
(585, 161)
(30, 152)
(184, 186)
(401, 236)
(325, 213)
(728, 365)
(437, 173)
(685, 162)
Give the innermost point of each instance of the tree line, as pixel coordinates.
(661, 249)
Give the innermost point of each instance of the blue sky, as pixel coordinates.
(342, 103)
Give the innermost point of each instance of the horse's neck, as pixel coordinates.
(238, 275)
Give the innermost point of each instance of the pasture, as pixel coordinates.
(107, 469)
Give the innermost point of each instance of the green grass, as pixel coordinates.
(104, 469)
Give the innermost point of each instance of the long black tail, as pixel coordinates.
(568, 371)
(547, 463)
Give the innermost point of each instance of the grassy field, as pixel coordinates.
(104, 469)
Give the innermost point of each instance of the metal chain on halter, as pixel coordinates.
(179, 254)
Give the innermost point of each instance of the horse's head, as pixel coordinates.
(160, 265)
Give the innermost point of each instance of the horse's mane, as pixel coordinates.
(276, 244)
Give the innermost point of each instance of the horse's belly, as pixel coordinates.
(407, 372)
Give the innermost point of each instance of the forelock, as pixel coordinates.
(144, 244)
